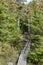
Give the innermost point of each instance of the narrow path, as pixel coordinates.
(22, 57)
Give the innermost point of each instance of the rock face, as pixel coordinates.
(22, 58)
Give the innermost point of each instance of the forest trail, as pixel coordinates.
(22, 58)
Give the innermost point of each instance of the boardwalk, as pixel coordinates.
(22, 58)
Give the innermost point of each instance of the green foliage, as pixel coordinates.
(36, 54)
(11, 37)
